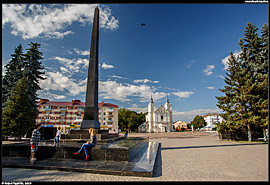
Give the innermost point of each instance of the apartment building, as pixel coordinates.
(69, 115)
(211, 119)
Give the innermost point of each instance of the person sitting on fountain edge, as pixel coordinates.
(92, 143)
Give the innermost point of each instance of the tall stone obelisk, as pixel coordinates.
(90, 119)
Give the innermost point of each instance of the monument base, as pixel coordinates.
(90, 124)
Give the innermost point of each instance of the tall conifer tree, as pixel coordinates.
(13, 73)
(253, 64)
(246, 97)
(18, 117)
(228, 102)
(33, 73)
(29, 67)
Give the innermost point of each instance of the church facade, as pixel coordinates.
(160, 119)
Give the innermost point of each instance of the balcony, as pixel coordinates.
(109, 120)
(109, 110)
(48, 108)
(109, 115)
(63, 109)
(76, 120)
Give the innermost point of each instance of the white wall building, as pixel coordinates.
(160, 119)
(211, 119)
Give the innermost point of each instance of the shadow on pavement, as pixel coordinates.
(210, 146)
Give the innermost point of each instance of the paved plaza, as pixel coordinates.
(184, 156)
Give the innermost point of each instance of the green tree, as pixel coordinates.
(18, 118)
(253, 63)
(13, 72)
(262, 90)
(128, 119)
(33, 73)
(132, 120)
(198, 122)
(21, 65)
(227, 102)
(246, 94)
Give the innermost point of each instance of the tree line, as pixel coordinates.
(19, 90)
(130, 120)
(245, 99)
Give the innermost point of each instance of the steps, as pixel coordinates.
(121, 150)
(143, 165)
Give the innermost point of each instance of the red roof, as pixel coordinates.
(210, 114)
(73, 103)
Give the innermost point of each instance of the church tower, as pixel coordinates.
(151, 109)
(168, 107)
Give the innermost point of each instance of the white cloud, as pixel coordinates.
(120, 77)
(190, 64)
(208, 70)
(80, 52)
(224, 61)
(106, 66)
(183, 94)
(107, 21)
(50, 96)
(210, 87)
(156, 96)
(138, 109)
(57, 81)
(220, 76)
(145, 81)
(49, 21)
(123, 92)
(3, 70)
(71, 66)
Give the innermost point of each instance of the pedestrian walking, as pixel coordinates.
(35, 138)
(57, 137)
(90, 144)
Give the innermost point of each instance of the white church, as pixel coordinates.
(160, 119)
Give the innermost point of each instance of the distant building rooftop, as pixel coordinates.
(72, 103)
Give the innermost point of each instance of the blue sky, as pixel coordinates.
(181, 51)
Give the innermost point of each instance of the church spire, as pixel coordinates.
(152, 99)
(167, 99)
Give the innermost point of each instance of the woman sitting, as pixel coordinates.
(92, 143)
